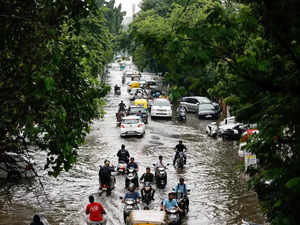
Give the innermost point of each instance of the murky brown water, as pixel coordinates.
(218, 194)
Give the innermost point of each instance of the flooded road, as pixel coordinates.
(218, 194)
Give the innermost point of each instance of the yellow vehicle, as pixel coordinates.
(135, 84)
(146, 217)
(142, 102)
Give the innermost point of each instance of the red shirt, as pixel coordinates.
(95, 210)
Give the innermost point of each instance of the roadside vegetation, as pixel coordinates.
(53, 54)
(247, 53)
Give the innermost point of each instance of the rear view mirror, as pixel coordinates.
(121, 197)
(168, 164)
(153, 164)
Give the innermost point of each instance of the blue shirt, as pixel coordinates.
(169, 204)
(135, 195)
(181, 188)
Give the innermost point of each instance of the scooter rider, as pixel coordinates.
(170, 202)
(134, 165)
(159, 164)
(180, 147)
(95, 209)
(132, 194)
(122, 106)
(148, 177)
(105, 173)
(123, 154)
(182, 188)
(116, 87)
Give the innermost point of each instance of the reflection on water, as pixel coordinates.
(218, 194)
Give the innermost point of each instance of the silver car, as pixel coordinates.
(191, 104)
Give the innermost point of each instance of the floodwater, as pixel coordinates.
(219, 195)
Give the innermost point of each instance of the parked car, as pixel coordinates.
(132, 126)
(15, 166)
(191, 104)
(232, 131)
(208, 111)
(161, 107)
(213, 128)
(133, 110)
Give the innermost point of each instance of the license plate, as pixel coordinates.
(173, 216)
(209, 116)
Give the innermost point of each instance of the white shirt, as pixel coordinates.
(158, 164)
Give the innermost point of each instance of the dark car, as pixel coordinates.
(208, 111)
(133, 110)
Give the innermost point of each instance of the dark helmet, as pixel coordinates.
(122, 146)
(132, 158)
(180, 141)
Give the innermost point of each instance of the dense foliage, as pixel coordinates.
(247, 52)
(52, 55)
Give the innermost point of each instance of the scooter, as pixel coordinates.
(121, 168)
(182, 115)
(147, 193)
(173, 217)
(107, 188)
(161, 177)
(180, 160)
(130, 205)
(131, 177)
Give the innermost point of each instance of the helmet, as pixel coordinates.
(180, 141)
(123, 146)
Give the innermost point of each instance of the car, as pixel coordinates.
(14, 166)
(191, 104)
(133, 110)
(132, 126)
(208, 111)
(212, 129)
(151, 84)
(161, 107)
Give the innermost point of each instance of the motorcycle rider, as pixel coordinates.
(147, 177)
(134, 165)
(105, 174)
(182, 188)
(117, 88)
(123, 154)
(132, 194)
(95, 209)
(159, 164)
(122, 106)
(180, 147)
(170, 202)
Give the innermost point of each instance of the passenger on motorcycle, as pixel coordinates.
(147, 177)
(105, 173)
(170, 202)
(132, 194)
(95, 209)
(122, 106)
(123, 154)
(180, 148)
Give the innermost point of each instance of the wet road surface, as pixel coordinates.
(218, 195)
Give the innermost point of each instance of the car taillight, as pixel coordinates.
(122, 126)
(140, 125)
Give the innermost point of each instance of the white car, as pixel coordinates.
(14, 165)
(161, 107)
(132, 126)
(213, 129)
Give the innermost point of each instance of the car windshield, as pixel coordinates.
(161, 103)
(131, 121)
(206, 107)
(203, 100)
(137, 109)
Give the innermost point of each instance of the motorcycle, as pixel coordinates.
(183, 202)
(182, 115)
(96, 222)
(131, 177)
(121, 168)
(161, 177)
(119, 116)
(147, 193)
(180, 160)
(130, 205)
(173, 217)
(107, 188)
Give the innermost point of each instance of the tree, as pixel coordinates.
(52, 53)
